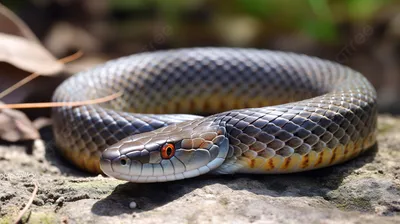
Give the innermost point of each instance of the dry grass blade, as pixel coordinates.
(35, 75)
(19, 84)
(61, 104)
(21, 214)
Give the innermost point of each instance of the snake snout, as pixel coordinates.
(112, 161)
(123, 160)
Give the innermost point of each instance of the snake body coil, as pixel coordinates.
(302, 113)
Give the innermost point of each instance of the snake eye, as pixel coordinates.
(167, 151)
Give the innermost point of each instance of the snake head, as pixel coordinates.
(178, 151)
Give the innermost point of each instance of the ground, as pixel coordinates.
(366, 189)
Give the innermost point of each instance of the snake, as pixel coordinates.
(187, 112)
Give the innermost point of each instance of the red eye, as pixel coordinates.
(167, 151)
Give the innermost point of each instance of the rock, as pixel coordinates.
(364, 190)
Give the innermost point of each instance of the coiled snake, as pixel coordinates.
(300, 113)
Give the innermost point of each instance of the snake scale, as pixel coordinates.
(265, 112)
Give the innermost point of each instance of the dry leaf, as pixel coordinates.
(15, 126)
(20, 47)
(11, 24)
(27, 55)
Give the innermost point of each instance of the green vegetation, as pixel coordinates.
(318, 19)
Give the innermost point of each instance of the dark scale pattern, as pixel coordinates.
(322, 105)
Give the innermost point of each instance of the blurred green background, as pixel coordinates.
(363, 34)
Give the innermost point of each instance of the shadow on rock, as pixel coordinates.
(146, 196)
(310, 183)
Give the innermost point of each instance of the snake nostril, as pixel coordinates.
(123, 162)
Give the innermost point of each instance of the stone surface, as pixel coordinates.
(364, 190)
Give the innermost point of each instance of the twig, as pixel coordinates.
(60, 104)
(35, 75)
(71, 57)
(27, 205)
(19, 84)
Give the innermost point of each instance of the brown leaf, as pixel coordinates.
(27, 55)
(11, 24)
(15, 126)
(20, 47)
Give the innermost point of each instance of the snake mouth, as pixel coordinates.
(107, 168)
(125, 168)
